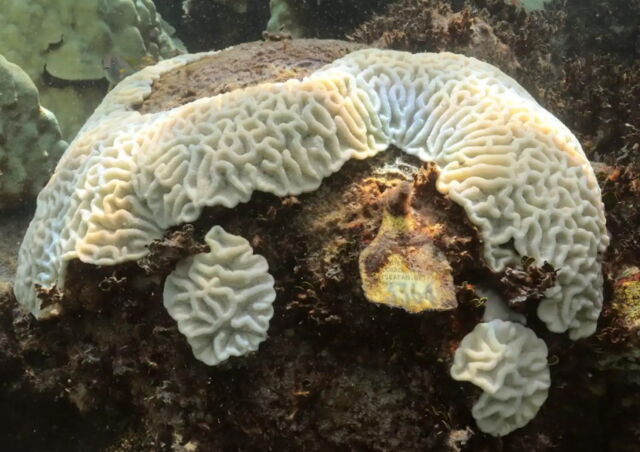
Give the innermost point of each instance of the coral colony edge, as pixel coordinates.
(518, 173)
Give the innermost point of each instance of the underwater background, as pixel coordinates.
(111, 371)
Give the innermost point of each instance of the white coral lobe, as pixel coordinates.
(222, 300)
(509, 363)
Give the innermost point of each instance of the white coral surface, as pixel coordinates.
(222, 300)
(509, 363)
(518, 172)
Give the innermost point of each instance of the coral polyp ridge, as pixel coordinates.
(519, 174)
(222, 297)
(509, 363)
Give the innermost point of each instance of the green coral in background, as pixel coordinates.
(529, 5)
(30, 139)
(80, 41)
(286, 17)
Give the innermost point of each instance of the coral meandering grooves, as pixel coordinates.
(509, 363)
(518, 172)
(221, 299)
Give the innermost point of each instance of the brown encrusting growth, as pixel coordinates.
(244, 65)
(113, 373)
(528, 283)
(401, 266)
(174, 246)
(621, 196)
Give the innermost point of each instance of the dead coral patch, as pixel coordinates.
(244, 65)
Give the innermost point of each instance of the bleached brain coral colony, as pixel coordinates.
(517, 171)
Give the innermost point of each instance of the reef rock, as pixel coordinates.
(79, 43)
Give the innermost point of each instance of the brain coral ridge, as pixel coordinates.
(221, 299)
(509, 363)
(518, 172)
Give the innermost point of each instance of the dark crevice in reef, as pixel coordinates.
(38, 413)
(213, 25)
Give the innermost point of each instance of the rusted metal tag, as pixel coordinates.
(402, 267)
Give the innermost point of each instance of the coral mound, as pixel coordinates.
(132, 175)
(30, 139)
(520, 175)
(78, 41)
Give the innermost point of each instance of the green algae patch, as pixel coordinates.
(626, 298)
